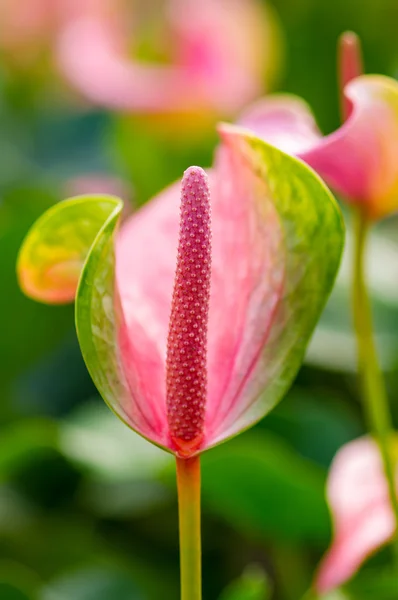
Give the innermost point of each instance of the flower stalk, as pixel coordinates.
(188, 485)
(186, 367)
(374, 393)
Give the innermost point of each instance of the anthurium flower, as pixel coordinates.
(212, 55)
(363, 518)
(26, 33)
(358, 160)
(188, 356)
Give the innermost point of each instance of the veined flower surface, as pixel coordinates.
(276, 242)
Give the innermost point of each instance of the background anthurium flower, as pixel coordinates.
(359, 160)
(26, 33)
(209, 55)
(362, 515)
(277, 238)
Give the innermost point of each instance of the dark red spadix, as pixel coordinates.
(186, 365)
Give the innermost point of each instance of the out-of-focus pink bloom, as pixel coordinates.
(216, 52)
(362, 514)
(29, 29)
(22, 29)
(360, 159)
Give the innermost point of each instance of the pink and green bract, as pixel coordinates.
(358, 160)
(190, 368)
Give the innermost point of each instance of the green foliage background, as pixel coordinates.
(87, 509)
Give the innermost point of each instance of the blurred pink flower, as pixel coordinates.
(214, 56)
(362, 515)
(29, 30)
(360, 159)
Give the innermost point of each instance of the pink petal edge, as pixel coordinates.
(362, 516)
(358, 160)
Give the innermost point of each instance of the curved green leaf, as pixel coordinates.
(93, 584)
(70, 252)
(54, 251)
(262, 487)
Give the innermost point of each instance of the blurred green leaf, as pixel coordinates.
(315, 422)
(261, 486)
(29, 330)
(123, 477)
(125, 499)
(340, 595)
(252, 585)
(56, 383)
(380, 584)
(333, 345)
(93, 584)
(17, 582)
(124, 455)
(23, 440)
(10, 592)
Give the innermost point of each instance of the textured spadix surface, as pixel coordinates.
(186, 362)
(359, 160)
(277, 237)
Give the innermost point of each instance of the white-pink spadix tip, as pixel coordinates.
(186, 364)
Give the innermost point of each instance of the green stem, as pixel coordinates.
(372, 382)
(188, 484)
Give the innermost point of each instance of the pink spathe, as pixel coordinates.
(360, 159)
(362, 516)
(256, 281)
(247, 279)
